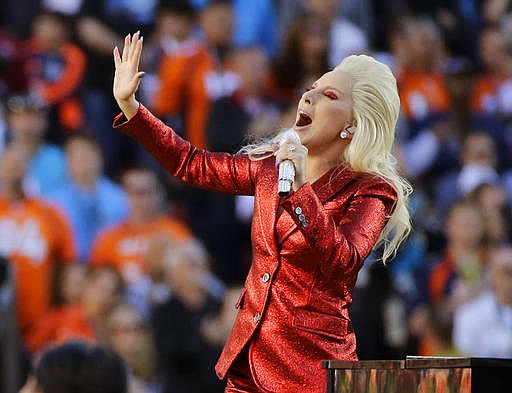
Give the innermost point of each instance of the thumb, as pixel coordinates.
(136, 80)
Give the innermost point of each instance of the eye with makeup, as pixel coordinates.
(331, 95)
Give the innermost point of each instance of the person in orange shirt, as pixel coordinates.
(419, 50)
(85, 319)
(493, 86)
(34, 235)
(124, 246)
(193, 76)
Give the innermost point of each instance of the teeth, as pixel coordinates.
(304, 119)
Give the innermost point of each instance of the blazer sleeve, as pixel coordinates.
(342, 246)
(228, 173)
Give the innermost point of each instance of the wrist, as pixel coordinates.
(129, 107)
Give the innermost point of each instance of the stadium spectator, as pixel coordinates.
(55, 68)
(34, 236)
(483, 326)
(302, 59)
(124, 246)
(173, 32)
(85, 319)
(185, 359)
(493, 88)
(78, 367)
(346, 38)
(196, 75)
(254, 23)
(130, 337)
(419, 53)
(27, 121)
(494, 203)
(89, 198)
(458, 275)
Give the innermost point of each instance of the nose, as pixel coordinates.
(307, 96)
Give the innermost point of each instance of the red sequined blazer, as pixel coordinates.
(307, 251)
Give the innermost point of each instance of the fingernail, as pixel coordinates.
(142, 74)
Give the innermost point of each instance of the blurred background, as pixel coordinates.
(98, 243)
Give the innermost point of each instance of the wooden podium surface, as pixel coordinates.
(420, 375)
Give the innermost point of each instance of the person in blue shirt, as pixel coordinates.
(27, 121)
(91, 200)
(255, 23)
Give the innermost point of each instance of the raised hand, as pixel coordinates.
(127, 76)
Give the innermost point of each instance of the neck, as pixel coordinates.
(30, 144)
(318, 166)
(85, 182)
(140, 218)
(13, 193)
(465, 256)
(463, 249)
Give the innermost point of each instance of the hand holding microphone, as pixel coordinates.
(290, 157)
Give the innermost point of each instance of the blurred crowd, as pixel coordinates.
(98, 243)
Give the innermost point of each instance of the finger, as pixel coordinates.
(282, 156)
(117, 57)
(133, 47)
(126, 48)
(137, 53)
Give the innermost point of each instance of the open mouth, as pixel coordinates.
(304, 120)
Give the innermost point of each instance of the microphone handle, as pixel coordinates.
(286, 177)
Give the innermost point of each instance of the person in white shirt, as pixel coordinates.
(483, 327)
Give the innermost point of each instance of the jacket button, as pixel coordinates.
(302, 217)
(265, 277)
(257, 317)
(298, 210)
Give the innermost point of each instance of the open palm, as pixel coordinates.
(127, 76)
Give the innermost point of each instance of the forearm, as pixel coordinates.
(341, 235)
(214, 171)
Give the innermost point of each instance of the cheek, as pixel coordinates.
(336, 117)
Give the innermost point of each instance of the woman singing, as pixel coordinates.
(309, 245)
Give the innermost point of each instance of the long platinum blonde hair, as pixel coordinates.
(376, 107)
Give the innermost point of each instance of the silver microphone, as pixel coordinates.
(286, 167)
